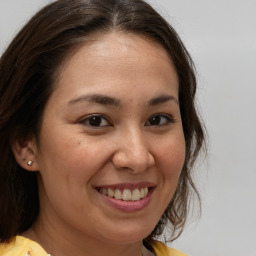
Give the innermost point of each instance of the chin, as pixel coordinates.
(129, 235)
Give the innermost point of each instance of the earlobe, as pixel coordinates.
(25, 154)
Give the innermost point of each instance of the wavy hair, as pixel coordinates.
(28, 69)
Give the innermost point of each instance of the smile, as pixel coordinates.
(125, 194)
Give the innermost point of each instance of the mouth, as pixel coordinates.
(127, 197)
(125, 194)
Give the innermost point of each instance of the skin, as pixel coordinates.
(74, 157)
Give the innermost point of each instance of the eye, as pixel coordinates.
(95, 121)
(159, 120)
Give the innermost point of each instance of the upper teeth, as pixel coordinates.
(125, 194)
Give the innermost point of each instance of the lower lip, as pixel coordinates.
(128, 206)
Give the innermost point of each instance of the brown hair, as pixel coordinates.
(27, 72)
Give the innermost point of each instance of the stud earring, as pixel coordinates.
(30, 163)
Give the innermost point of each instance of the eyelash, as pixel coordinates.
(168, 120)
(98, 119)
(88, 119)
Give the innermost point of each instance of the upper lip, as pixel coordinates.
(130, 186)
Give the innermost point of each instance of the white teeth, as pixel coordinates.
(142, 193)
(111, 192)
(105, 191)
(145, 191)
(136, 195)
(125, 194)
(118, 194)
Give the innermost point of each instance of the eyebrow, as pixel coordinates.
(97, 98)
(162, 99)
(111, 101)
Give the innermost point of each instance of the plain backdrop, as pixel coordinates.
(221, 37)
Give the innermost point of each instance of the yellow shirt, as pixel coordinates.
(162, 250)
(22, 246)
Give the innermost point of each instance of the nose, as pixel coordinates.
(133, 152)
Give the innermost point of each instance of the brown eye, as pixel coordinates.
(159, 120)
(95, 121)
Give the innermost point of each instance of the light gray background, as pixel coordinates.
(221, 36)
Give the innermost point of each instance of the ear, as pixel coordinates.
(25, 152)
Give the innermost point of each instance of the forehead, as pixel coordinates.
(116, 61)
(116, 46)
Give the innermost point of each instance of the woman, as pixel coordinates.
(99, 132)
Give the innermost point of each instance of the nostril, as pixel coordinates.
(151, 160)
(133, 156)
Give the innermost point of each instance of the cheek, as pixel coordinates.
(69, 152)
(172, 156)
(67, 173)
(171, 160)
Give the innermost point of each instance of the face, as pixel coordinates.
(111, 145)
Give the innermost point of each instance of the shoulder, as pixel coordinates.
(162, 250)
(21, 246)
